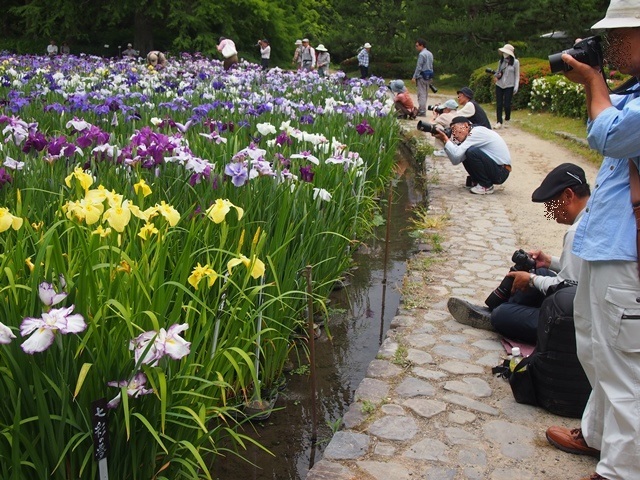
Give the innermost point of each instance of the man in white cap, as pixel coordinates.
(307, 55)
(442, 116)
(129, 52)
(607, 303)
(363, 60)
(297, 55)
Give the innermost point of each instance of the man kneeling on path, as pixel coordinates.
(482, 152)
(565, 193)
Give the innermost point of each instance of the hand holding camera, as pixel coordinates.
(522, 262)
(434, 130)
(587, 51)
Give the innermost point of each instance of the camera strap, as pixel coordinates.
(626, 88)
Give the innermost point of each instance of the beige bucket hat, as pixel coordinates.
(621, 14)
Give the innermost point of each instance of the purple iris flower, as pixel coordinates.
(364, 128)
(306, 174)
(4, 177)
(238, 173)
(283, 138)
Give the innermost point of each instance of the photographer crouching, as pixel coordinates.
(442, 115)
(514, 306)
(483, 153)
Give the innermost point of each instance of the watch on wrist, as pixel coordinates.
(531, 277)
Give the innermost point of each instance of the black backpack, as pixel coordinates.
(553, 378)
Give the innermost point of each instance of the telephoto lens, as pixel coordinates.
(500, 294)
(433, 88)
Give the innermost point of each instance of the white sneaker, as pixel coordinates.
(506, 124)
(480, 190)
(497, 126)
(439, 153)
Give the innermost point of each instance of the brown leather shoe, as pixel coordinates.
(571, 441)
(594, 476)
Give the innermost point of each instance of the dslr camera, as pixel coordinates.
(435, 108)
(490, 70)
(588, 51)
(431, 128)
(522, 262)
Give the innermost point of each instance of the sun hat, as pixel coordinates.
(508, 49)
(451, 103)
(561, 177)
(305, 40)
(320, 48)
(129, 45)
(467, 92)
(620, 14)
(460, 119)
(397, 86)
(298, 42)
(367, 45)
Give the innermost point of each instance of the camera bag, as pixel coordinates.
(559, 382)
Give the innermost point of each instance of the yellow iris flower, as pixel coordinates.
(168, 212)
(142, 186)
(147, 231)
(103, 232)
(218, 211)
(257, 266)
(200, 272)
(118, 216)
(8, 220)
(85, 179)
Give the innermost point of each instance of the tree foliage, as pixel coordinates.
(461, 34)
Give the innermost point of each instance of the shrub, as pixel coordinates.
(558, 95)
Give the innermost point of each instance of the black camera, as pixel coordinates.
(588, 51)
(490, 70)
(431, 128)
(522, 262)
(433, 88)
(435, 108)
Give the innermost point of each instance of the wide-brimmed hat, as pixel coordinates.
(298, 42)
(320, 48)
(397, 86)
(367, 45)
(620, 14)
(467, 92)
(508, 49)
(451, 103)
(563, 176)
(460, 119)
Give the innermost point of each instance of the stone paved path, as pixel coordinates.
(441, 415)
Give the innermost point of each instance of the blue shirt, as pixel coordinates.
(607, 230)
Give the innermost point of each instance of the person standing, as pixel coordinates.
(52, 49)
(507, 82)
(297, 55)
(265, 53)
(227, 47)
(423, 74)
(363, 60)
(129, 52)
(322, 62)
(471, 109)
(308, 56)
(607, 303)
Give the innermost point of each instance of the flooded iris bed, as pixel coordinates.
(360, 315)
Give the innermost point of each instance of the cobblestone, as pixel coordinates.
(442, 415)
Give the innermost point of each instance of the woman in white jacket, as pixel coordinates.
(507, 82)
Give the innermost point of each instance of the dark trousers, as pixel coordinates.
(364, 71)
(517, 318)
(483, 170)
(230, 62)
(265, 63)
(503, 100)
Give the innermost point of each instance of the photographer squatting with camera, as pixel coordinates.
(482, 152)
(514, 306)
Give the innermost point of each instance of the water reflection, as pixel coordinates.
(341, 364)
